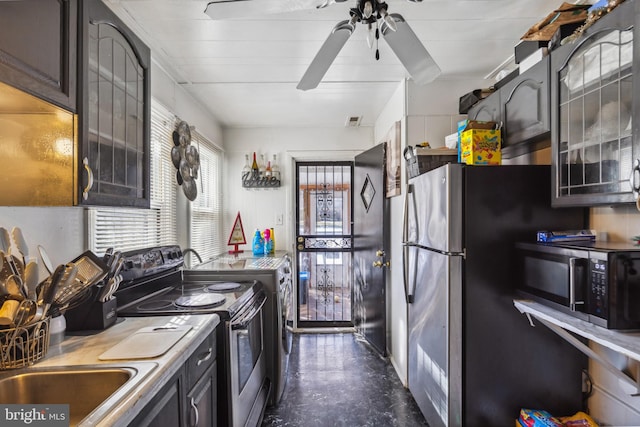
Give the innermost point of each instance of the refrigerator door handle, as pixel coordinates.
(405, 214)
(405, 246)
(408, 294)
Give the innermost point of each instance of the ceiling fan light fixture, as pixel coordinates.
(367, 10)
(371, 35)
(388, 19)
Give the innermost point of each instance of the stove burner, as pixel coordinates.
(224, 286)
(200, 300)
(155, 305)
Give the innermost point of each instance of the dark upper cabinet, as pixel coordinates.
(526, 119)
(593, 101)
(487, 110)
(521, 106)
(38, 48)
(114, 111)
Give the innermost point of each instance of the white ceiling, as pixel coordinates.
(245, 70)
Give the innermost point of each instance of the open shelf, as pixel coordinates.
(623, 342)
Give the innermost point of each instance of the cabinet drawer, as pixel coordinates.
(202, 358)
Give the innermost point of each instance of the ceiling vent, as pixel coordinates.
(353, 121)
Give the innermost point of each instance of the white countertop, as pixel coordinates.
(84, 349)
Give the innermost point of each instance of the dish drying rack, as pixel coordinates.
(24, 345)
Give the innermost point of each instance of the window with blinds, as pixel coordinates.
(206, 210)
(127, 229)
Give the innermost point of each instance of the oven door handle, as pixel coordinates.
(242, 322)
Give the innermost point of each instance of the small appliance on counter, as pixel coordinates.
(592, 280)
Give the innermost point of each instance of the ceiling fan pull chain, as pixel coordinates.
(377, 38)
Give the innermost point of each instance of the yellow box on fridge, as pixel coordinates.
(480, 147)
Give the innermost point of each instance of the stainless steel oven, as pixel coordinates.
(154, 284)
(274, 272)
(247, 359)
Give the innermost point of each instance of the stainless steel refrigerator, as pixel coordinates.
(473, 359)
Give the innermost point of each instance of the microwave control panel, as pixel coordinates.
(597, 299)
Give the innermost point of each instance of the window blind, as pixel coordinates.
(206, 210)
(127, 229)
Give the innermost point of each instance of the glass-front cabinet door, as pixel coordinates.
(592, 98)
(115, 124)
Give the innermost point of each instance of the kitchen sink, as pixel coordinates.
(91, 391)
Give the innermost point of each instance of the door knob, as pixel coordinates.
(380, 264)
(379, 253)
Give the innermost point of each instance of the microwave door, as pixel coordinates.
(560, 279)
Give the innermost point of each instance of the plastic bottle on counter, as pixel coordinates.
(268, 242)
(258, 243)
(273, 242)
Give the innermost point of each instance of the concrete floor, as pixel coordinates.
(338, 380)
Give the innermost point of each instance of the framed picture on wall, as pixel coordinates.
(392, 141)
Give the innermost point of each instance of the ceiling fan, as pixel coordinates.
(373, 13)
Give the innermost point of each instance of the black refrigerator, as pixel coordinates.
(473, 359)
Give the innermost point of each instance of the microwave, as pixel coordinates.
(598, 282)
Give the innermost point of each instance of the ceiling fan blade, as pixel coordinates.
(230, 9)
(326, 55)
(410, 51)
(326, 3)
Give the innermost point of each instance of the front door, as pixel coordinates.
(371, 242)
(323, 243)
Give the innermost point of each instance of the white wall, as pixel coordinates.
(259, 207)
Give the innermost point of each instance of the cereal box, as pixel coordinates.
(480, 146)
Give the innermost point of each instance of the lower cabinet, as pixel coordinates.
(165, 408)
(201, 401)
(189, 398)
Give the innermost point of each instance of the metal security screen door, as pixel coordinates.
(324, 243)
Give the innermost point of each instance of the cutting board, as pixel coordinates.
(146, 343)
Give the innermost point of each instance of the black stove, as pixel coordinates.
(187, 298)
(153, 285)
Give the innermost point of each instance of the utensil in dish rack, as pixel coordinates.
(17, 267)
(45, 259)
(21, 244)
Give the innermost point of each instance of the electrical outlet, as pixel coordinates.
(279, 219)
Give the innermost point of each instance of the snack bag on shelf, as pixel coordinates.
(579, 419)
(538, 418)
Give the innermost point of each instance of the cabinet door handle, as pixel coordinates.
(206, 357)
(194, 412)
(633, 182)
(85, 192)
